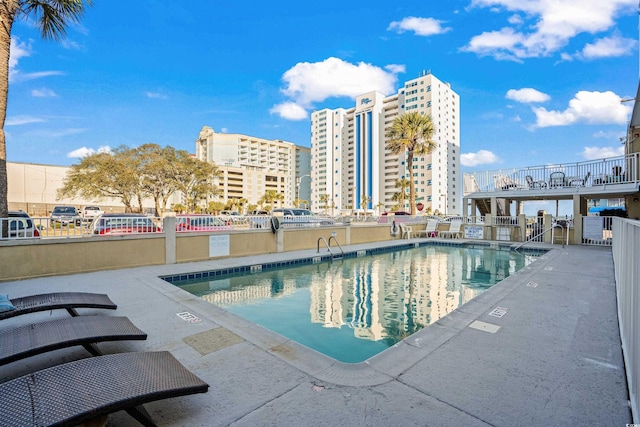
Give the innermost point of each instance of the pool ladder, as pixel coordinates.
(328, 245)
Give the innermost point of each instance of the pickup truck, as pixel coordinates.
(89, 213)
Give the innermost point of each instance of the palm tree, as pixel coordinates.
(411, 132)
(51, 18)
(324, 199)
(403, 184)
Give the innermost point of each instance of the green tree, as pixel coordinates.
(270, 197)
(215, 207)
(364, 200)
(324, 200)
(51, 18)
(411, 133)
(178, 208)
(403, 185)
(161, 172)
(105, 175)
(195, 181)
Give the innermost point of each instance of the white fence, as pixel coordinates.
(597, 230)
(626, 244)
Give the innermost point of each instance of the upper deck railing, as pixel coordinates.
(594, 173)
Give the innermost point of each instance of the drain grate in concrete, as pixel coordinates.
(484, 326)
(498, 312)
(532, 285)
(212, 340)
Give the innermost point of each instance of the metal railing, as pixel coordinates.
(20, 228)
(593, 173)
(626, 241)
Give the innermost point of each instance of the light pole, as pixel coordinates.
(298, 181)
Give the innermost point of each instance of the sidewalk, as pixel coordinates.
(553, 358)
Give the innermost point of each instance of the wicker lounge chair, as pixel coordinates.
(79, 391)
(29, 340)
(67, 300)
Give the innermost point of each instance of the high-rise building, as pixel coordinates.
(351, 168)
(303, 176)
(252, 166)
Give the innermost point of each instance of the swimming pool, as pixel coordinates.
(354, 308)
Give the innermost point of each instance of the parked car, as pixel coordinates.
(122, 223)
(200, 223)
(65, 215)
(296, 217)
(231, 217)
(21, 226)
(89, 213)
(259, 219)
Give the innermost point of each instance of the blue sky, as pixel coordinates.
(540, 81)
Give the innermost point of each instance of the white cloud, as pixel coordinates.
(23, 77)
(155, 95)
(608, 47)
(84, 152)
(527, 95)
(17, 50)
(420, 26)
(593, 153)
(546, 26)
(22, 120)
(307, 83)
(482, 157)
(289, 111)
(586, 107)
(43, 93)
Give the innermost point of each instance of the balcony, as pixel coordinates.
(597, 178)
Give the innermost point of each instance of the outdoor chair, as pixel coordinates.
(535, 184)
(505, 183)
(579, 182)
(28, 340)
(430, 231)
(405, 231)
(454, 230)
(556, 179)
(67, 300)
(79, 391)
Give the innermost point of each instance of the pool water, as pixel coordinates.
(354, 308)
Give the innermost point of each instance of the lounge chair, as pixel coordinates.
(67, 300)
(430, 231)
(454, 230)
(29, 340)
(79, 391)
(579, 182)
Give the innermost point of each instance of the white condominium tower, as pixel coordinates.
(350, 163)
(250, 166)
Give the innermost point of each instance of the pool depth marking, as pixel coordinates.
(189, 317)
(498, 312)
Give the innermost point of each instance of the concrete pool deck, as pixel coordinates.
(553, 358)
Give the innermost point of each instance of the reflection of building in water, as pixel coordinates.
(368, 302)
(327, 295)
(485, 267)
(398, 295)
(391, 296)
(260, 289)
